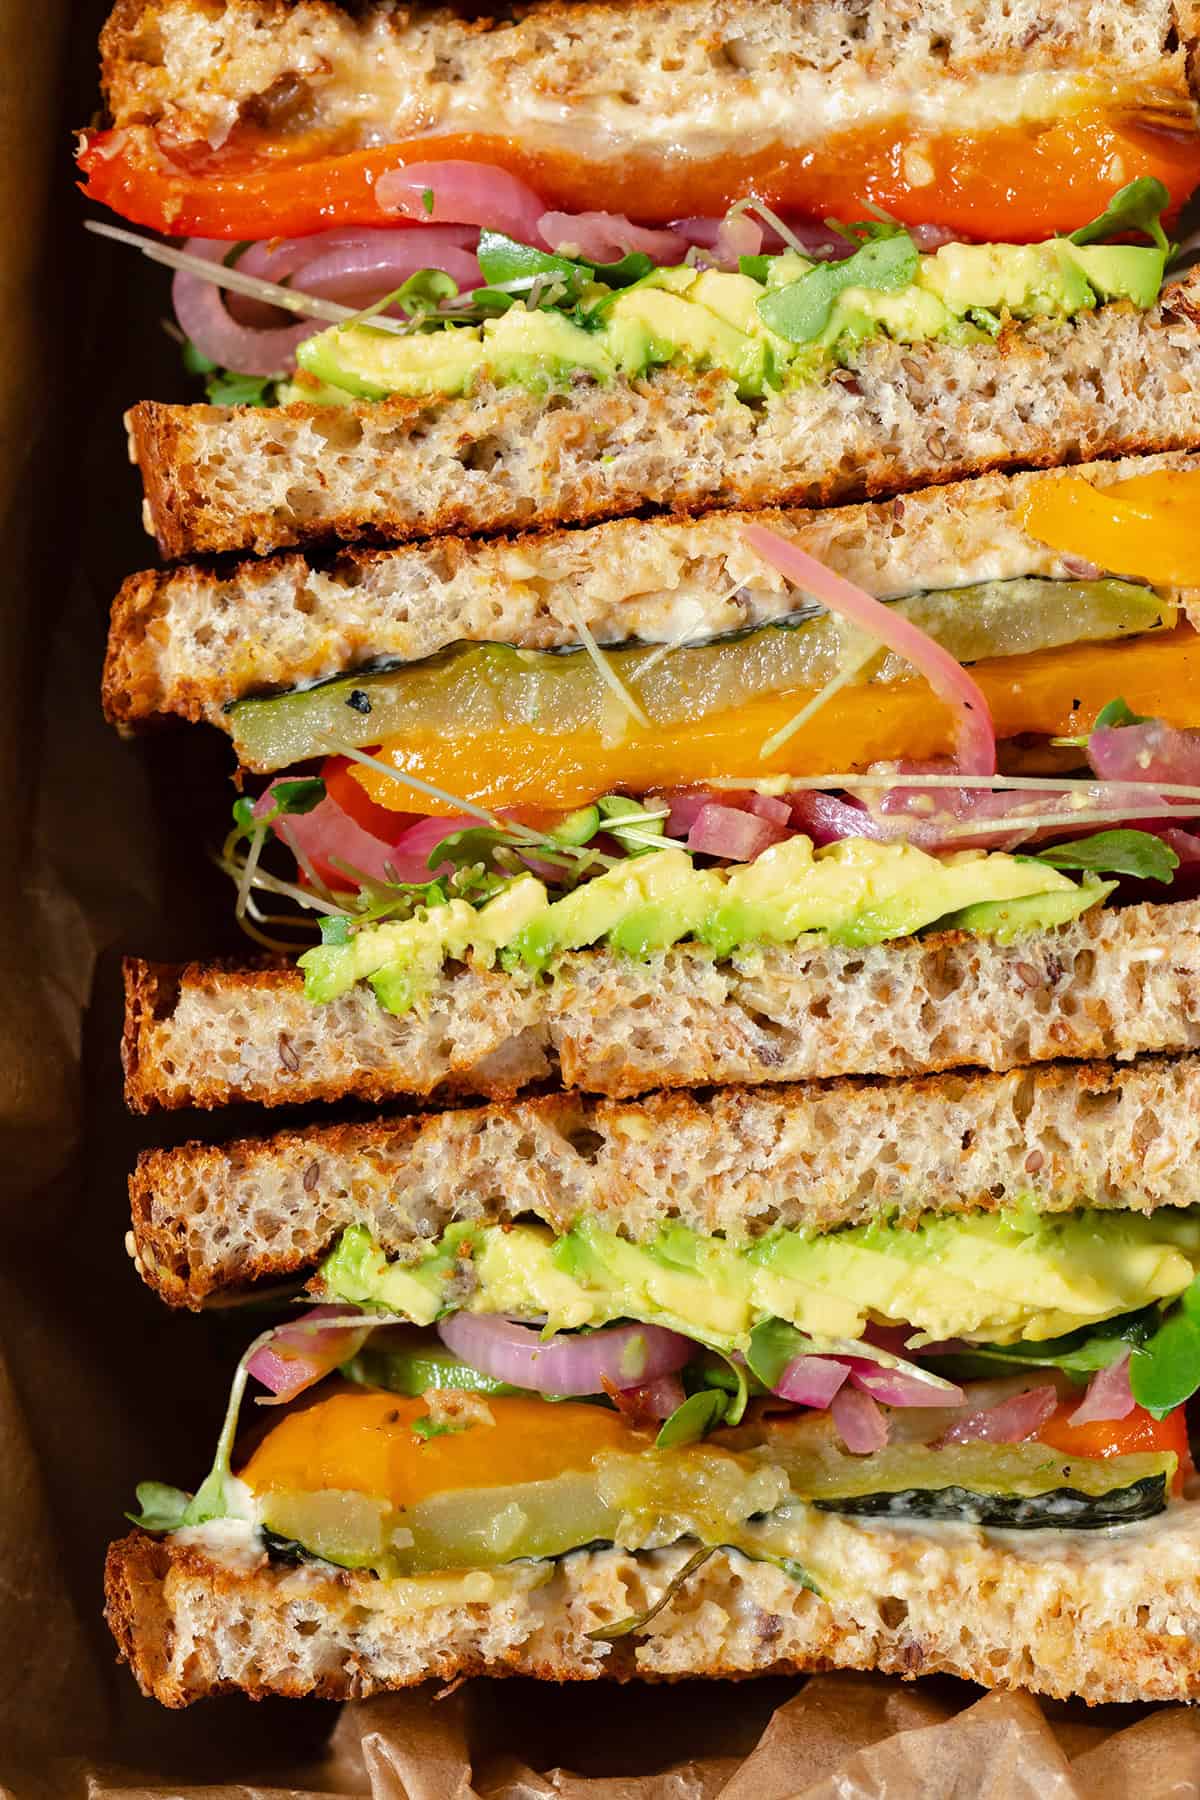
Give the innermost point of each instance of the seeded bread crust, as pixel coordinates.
(1113, 383)
(619, 69)
(1117, 982)
(1051, 1616)
(736, 1163)
(188, 641)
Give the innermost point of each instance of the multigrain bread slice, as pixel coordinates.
(1114, 983)
(190, 640)
(1116, 382)
(735, 1164)
(677, 80)
(1055, 1612)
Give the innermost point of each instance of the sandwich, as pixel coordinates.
(599, 729)
(852, 1375)
(396, 348)
(663, 803)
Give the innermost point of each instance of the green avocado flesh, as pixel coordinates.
(472, 689)
(744, 327)
(995, 1278)
(851, 892)
(759, 1501)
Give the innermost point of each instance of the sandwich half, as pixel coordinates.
(662, 803)
(254, 119)
(849, 1376)
(396, 348)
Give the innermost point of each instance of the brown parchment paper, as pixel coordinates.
(103, 847)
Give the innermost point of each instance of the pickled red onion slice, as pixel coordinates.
(948, 679)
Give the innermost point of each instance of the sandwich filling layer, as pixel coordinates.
(541, 300)
(777, 320)
(1010, 1371)
(502, 806)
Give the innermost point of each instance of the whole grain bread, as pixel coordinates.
(1117, 982)
(712, 77)
(1054, 1612)
(190, 640)
(1115, 382)
(735, 1163)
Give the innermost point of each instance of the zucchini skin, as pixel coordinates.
(1062, 1509)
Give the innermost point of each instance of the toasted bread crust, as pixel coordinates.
(1114, 983)
(734, 1164)
(899, 417)
(188, 641)
(1050, 1616)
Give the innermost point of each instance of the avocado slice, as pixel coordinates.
(992, 1278)
(1119, 271)
(719, 320)
(648, 326)
(1023, 280)
(373, 364)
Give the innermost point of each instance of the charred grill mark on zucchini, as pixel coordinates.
(1062, 1509)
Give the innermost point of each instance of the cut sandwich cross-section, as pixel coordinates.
(558, 1391)
(634, 845)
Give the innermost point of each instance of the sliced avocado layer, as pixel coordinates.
(851, 892)
(995, 1278)
(472, 689)
(763, 333)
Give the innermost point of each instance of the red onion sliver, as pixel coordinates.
(1011, 1422)
(949, 680)
(684, 803)
(811, 1380)
(1185, 844)
(859, 1422)
(204, 318)
(726, 236)
(299, 1354)
(1109, 1395)
(1148, 753)
(726, 831)
(766, 806)
(409, 855)
(327, 832)
(656, 1400)
(625, 1355)
(462, 193)
(897, 1387)
(738, 236)
(339, 265)
(604, 237)
(929, 238)
(826, 818)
